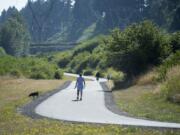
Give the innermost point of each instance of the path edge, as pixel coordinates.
(29, 108)
(110, 104)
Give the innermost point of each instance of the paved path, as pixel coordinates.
(91, 109)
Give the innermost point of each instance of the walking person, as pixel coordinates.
(97, 76)
(80, 84)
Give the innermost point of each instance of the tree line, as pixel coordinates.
(14, 36)
(131, 51)
(46, 18)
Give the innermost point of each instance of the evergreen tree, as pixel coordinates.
(67, 22)
(7, 14)
(14, 36)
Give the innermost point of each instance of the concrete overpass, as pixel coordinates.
(50, 47)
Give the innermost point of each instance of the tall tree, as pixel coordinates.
(120, 13)
(67, 22)
(6, 14)
(14, 36)
(47, 17)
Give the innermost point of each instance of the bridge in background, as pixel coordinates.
(50, 47)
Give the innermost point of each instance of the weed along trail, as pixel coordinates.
(91, 109)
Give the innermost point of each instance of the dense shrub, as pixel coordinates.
(62, 59)
(80, 62)
(58, 74)
(175, 41)
(168, 63)
(147, 78)
(171, 87)
(88, 72)
(131, 51)
(30, 67)
(99, 56)
(39, 75)
(88, 45)
(138, 46)
(14, 36)
(16, 73)
(114, 74)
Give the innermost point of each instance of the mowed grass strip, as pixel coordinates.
(144, 101)
(14, 93)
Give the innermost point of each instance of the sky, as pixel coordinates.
(19, 4)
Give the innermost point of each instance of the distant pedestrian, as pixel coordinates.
(80, 84)
(97, 76)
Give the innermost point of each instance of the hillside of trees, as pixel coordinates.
(14, 35)
(65, 20)
(131, 51)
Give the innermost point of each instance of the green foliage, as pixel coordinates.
(80, 62)
(145, 102)
(14, 36)
(39, 75)
(171, 87)
(16, 73)
(168, 63)
(169, 73)
(58, 74)
(88, 45)
(82, 59)
(88, 71)
(114, 74)
(2, 52)
(87, 57)
(62, 59)
(53, 16)
(137, 47)
(30, 67)
(175, 41)
(131, 51)
(87, 19)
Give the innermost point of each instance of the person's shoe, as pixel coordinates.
(80, 98)
(77, 98)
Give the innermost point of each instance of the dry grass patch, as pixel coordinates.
(148, 78)
(171, 87)
(14, 93)
(110, 84)
(143, 101)
(12, 89)
(173, 72)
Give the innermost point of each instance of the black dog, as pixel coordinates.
(34, 94)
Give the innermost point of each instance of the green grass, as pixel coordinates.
(14, 94)
(29, 67)
(146, 102)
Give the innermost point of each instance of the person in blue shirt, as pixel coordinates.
(80, 84)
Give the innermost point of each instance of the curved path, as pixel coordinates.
(91, 109)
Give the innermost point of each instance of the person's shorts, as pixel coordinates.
(80, 88)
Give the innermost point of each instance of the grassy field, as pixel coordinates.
(13, 94)
(144, 101)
